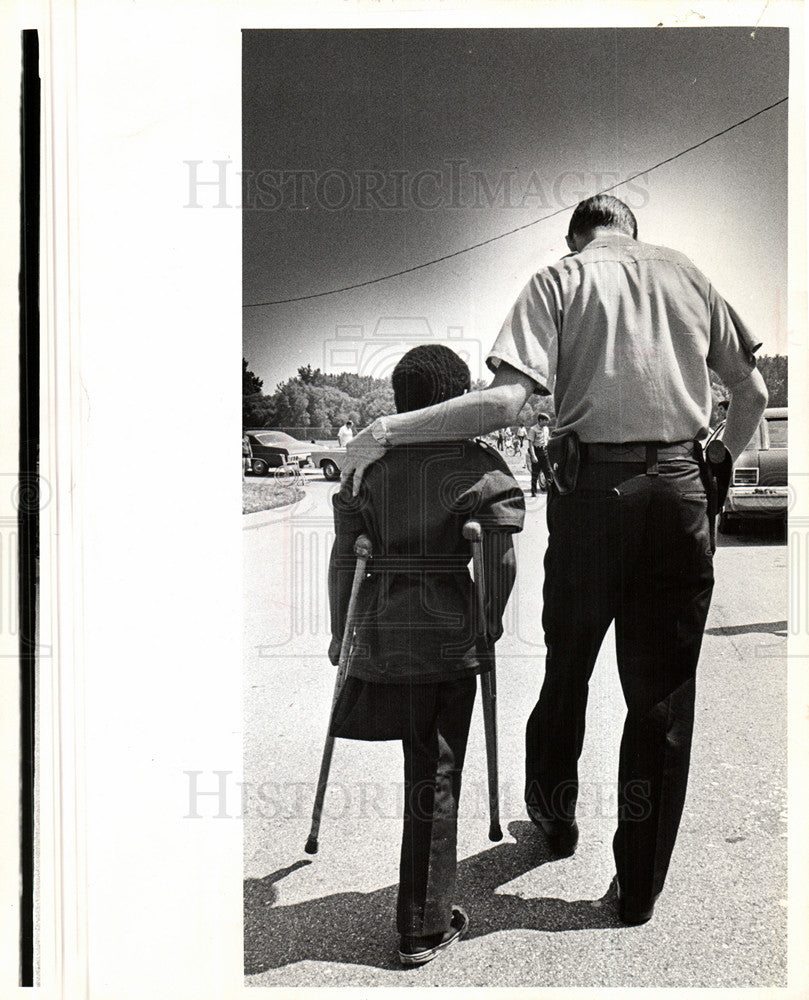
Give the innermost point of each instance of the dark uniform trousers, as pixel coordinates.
(633, 548)
(434, 744)
(536, 468)
(541, 465)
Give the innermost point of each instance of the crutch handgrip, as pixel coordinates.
(472, 531)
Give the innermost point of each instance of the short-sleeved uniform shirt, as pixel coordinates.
(415, 621)
(623, 334)
(538, 435)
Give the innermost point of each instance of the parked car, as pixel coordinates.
(758, 488)
(272, 449)
(329, 461)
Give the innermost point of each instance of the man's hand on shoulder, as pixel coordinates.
(361, 452)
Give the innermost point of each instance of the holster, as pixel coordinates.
(716, 467)
(563, 455)
(721, 465)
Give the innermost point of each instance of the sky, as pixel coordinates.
(367, 152)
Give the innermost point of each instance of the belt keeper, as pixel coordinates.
(651, 460)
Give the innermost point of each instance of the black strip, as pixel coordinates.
(28, 485)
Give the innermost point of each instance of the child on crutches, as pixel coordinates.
(415, 657)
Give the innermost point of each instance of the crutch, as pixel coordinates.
(473, 532)
(362, 550)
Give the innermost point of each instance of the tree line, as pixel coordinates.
(313, 404)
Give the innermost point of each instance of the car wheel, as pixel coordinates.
(727, 525)
(260, 467)
(330, 469)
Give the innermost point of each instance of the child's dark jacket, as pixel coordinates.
(415, 606)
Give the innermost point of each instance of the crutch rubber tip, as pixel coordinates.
(495, 833)
(312, 845)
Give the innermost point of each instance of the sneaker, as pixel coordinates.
(420, 951)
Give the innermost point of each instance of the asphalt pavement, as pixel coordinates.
(328, 919)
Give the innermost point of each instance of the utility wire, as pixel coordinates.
(517, 229)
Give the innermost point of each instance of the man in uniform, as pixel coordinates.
(623, 334)
(538, 434)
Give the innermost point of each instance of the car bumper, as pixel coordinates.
(757, 501)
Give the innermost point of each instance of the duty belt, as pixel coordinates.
(647, 453)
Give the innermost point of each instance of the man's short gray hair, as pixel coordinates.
(602, 210)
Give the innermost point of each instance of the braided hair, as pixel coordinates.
(427, 374)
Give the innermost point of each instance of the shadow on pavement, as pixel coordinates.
(772, 628)
(358, 928)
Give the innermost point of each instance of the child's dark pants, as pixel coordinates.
(434, 751)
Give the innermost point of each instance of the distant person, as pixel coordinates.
(521, 435)
(247, 455)
(345, 434)
(411, 676)
(538, 435)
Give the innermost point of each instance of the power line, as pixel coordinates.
(517, 229)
